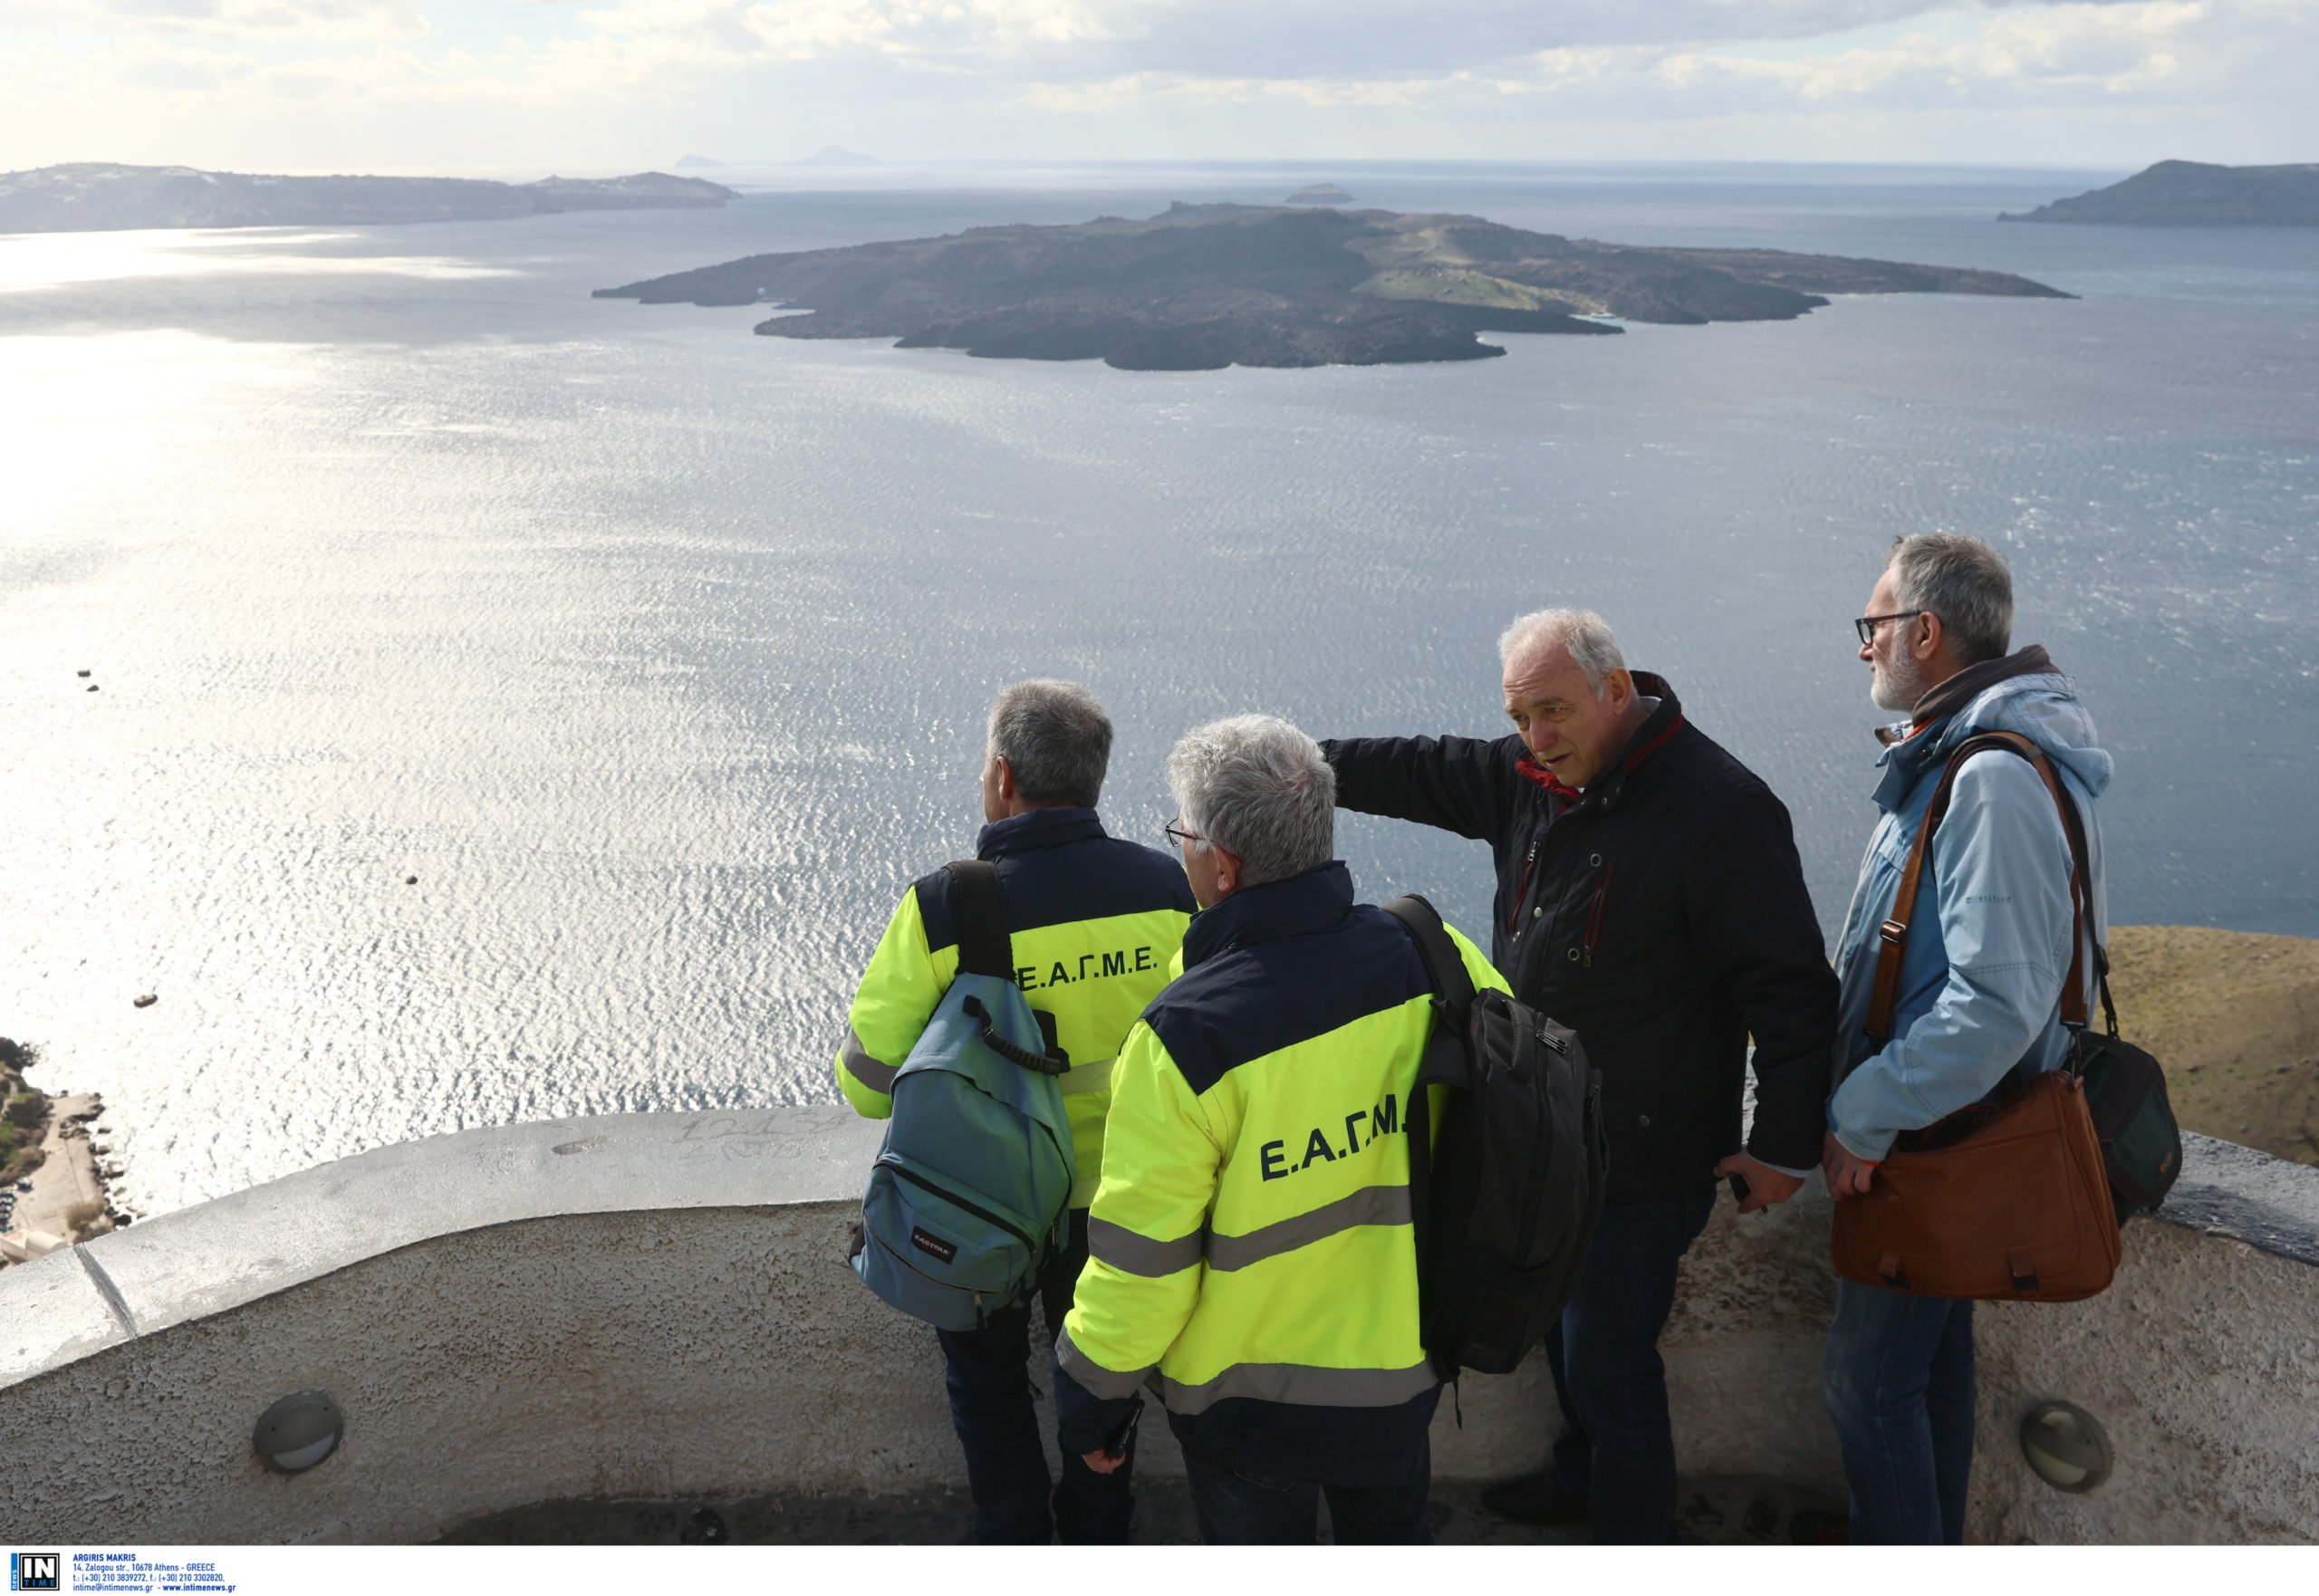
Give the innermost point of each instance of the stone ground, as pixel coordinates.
(68, 1176)
(1713, 1513)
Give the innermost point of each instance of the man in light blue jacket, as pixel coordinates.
(1979, 997)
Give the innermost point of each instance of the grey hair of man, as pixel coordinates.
(1055, 738)
(1255, 786)
(1964, 581)
(1585, 636)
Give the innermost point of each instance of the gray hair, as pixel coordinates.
(1056, 738)
(1584, 635)
(1964, 581)
(1257, 787)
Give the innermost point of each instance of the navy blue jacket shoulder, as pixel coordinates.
(1058, 866)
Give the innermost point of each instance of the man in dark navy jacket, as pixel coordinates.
(1649, 896)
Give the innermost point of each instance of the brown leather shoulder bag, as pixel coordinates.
(2007, 1200)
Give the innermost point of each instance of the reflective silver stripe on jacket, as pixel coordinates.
(1371, 1205)
(1094, 1077)
(858, 1064)
(1106, 1385)
(1131, 1253)
(1300, 1383)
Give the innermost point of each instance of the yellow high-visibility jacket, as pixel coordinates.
(1096, 922)
(1252, 1254)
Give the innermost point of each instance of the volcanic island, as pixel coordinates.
(1203, 286)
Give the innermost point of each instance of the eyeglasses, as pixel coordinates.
(1867, 624)
(1178, 835)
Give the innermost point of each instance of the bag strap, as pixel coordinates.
(985, 948)
(1445, 968)
(2074, 824)
(1453, 992)
(1893, 934)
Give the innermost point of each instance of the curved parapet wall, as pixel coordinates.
(658, 1305)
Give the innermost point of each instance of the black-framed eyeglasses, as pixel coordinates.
(1867, 624)
(1178, 835)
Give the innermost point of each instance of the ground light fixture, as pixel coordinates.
(2066, 1446)
(299, 1431)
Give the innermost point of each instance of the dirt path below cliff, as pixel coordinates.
(2235, 1019)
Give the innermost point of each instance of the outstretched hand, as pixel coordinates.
(1848, 1173)
(1767, 1186)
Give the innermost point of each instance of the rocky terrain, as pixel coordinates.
(92, 196)
(1200, 287)
(52, 1187)
(2233, 1017)
(2193, 194)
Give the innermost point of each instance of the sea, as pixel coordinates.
(659, 653)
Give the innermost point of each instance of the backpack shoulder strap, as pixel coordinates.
(1444, 968)
(984, 947)
(1893, 935)
(1453, 990)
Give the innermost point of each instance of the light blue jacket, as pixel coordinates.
(1989, 944)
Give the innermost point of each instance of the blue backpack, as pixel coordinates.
(968, 1203)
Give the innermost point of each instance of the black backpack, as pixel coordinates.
(1505, 1206)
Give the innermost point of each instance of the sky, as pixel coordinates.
(588, 86)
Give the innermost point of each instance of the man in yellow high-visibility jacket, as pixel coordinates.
(1095, 923)
(1252, 1255)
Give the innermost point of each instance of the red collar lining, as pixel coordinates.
(1531, 770)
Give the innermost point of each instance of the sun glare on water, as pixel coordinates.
(34, 261)
(92, 416)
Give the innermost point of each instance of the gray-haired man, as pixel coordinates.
(1252, 1249)
(1649, 896)
(1978, 1000)
(1096, 922)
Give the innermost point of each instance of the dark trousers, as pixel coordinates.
(1016, 1501)
(1617, 1452)
(1235, 1509)
(1899, 1379)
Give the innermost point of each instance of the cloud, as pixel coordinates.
(1096, 41)
(2022, 57)
(245, 19)
(1861, 79)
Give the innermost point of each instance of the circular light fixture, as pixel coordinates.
(299, 1431)
(2066, 1446)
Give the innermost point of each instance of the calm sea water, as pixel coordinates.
(659, 652)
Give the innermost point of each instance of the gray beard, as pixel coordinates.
(1897, 688)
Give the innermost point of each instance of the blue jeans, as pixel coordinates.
(1617, 1452)
(1236, 1509)
(1899, 1379)
(1016, 1501)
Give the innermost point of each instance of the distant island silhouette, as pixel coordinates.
(838, 155)
(1203, 286)
(1321, 194)
(100, 197)
(2193, 194)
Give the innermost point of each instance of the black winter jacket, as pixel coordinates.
(1663, 917)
